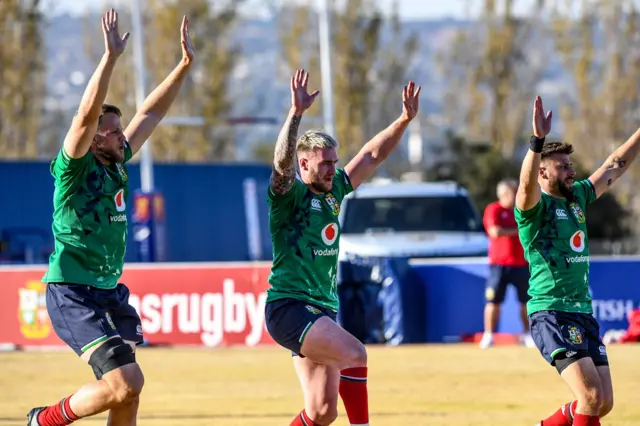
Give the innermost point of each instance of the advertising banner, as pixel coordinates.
(178, 304)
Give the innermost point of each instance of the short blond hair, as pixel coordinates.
(315, 139)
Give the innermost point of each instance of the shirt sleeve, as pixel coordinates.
(531, 215)
(69, 172)
(282, 205)
(584, 192)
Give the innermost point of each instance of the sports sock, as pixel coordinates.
(584, 420)
(353, 391)
(59, 414)
(562, 417)
(302, 420)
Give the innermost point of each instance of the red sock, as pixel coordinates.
(562, 417)
(353, 391)
(584, 420)
(59, 414)
(302, 420)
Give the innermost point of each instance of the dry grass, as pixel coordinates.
(451, 385)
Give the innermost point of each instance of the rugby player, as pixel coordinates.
(89, 309)
(550, 212)
(303, 220)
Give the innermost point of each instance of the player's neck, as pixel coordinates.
(100, 157)
(554, 194)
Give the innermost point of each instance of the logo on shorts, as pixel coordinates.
(577, 241)
(333, 203)
(577, 212)
(575, 335)
(313, 310)
(107, 315)
(32, 311)
(569, 354)
(139, 330)
(329, 234)
(316, 205)
(603, 350)
(119, 200)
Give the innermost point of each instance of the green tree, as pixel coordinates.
(493, 68)
(21, 77)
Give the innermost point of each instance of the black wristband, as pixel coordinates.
(535, 144)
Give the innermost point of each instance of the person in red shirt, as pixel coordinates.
(507, 264)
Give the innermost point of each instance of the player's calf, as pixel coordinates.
(120, 382)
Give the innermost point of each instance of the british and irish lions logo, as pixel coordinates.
(330, 234)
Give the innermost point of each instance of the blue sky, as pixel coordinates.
(409, 9)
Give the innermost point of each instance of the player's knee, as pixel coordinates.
(127, 387)
(607, 405)
(356, 356)
(324, 412)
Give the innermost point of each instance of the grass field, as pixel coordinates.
(413, 385)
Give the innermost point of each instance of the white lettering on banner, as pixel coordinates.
(612, 309)
(211, 314)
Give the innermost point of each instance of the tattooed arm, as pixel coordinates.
(615, 166)
(283, 175)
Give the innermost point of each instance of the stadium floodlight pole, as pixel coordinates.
(146, 158)
(325, 67)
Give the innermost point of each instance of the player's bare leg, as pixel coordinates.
(526, 335)
(329, 344)
(491, 318)
(125, 414)
(607, 389)
(584, 381)
(320, 385)
(118, 387)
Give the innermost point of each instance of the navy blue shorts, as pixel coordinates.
(570, 334)
(289, 320)
(83, 316)
(501, 276)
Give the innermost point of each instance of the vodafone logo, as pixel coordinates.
(577, 241)
(119, 200)
(330, 234)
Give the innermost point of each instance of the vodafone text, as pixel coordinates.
(209, 314)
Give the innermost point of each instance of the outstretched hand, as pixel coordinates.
(541, 122)
(410, 101)
(188, 52)
(301, 100)
(113, 44)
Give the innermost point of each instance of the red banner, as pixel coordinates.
(178, 304)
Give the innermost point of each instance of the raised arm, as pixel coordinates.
(529, 192)
(615, 166)
(83, 127)
(374, 152)
(157, 104)
(283, 174)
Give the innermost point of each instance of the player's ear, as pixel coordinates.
(304, 163)
(543, 173)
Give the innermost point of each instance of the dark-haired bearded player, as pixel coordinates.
(89, 309)
(550, 211)
(305, 233)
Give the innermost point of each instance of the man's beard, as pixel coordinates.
(319, 185)
(563, 188)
